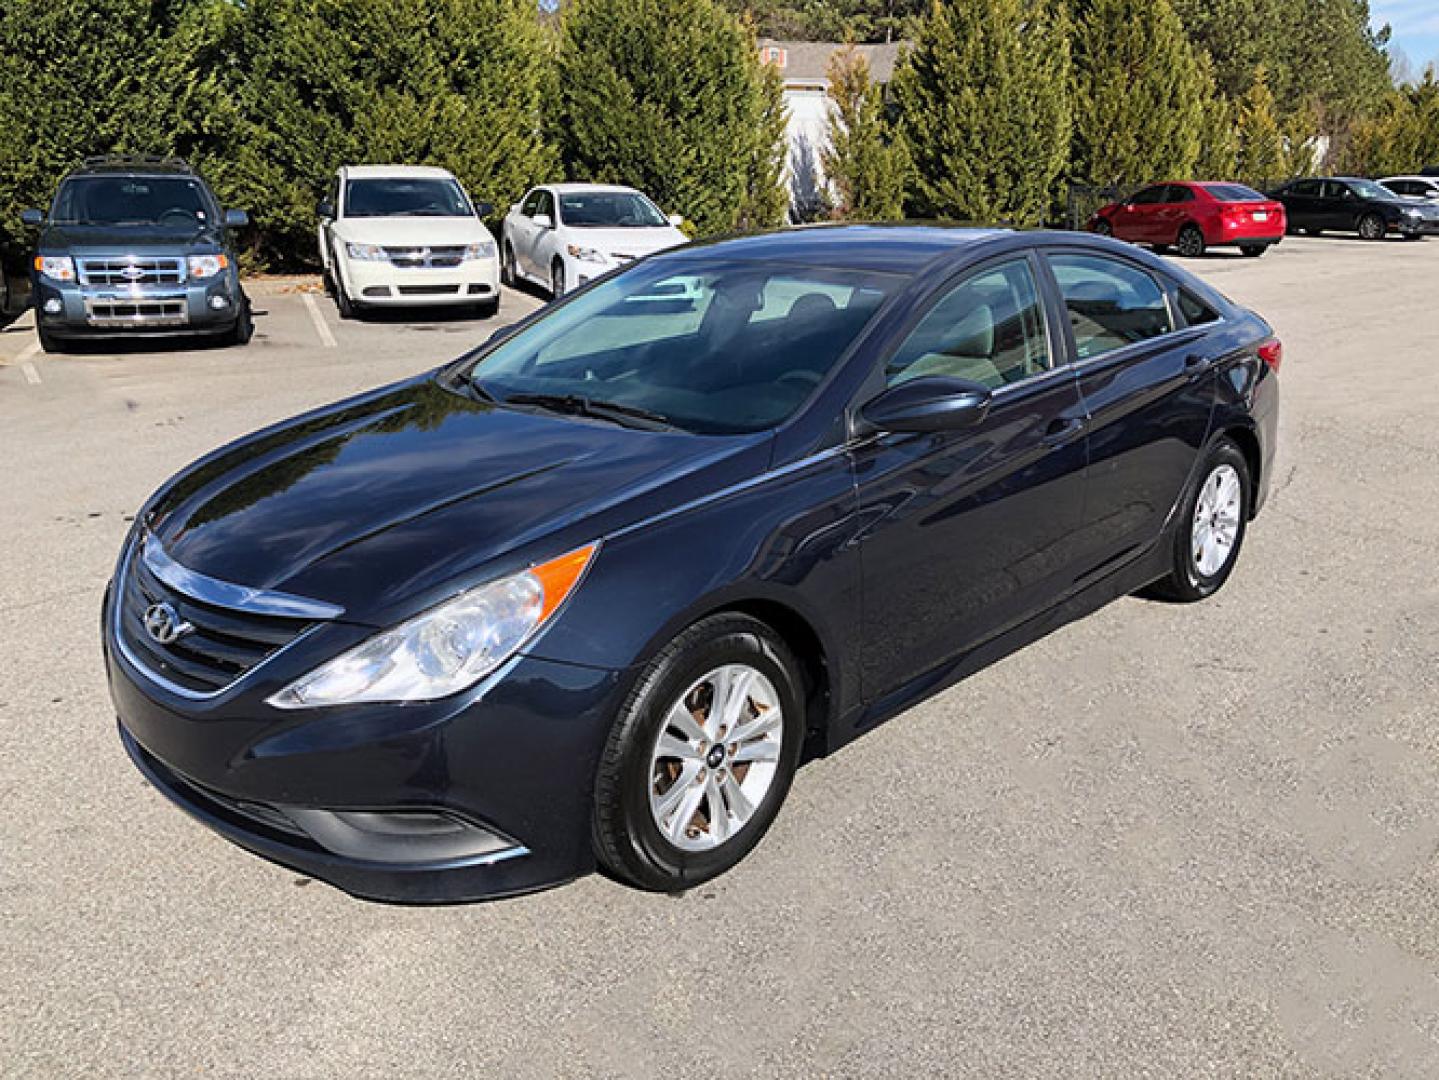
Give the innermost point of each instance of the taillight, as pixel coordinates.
(1272, 353)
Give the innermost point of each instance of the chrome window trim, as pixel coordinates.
(227, 594)
(140, 667)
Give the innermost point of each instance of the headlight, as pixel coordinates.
(203, 266)
(1411, 212)
(366, 252)
(448, 648)
(57, 267)
(585, 254)
(485, 249)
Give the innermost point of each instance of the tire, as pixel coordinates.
(557, 279)
(1191, 242)
(508, 276)
(1103, 228)
(1200, 567)
(49, 343)
(1252, 251)
(667, 846)
(488, 309)
(1372, 227)
(244, 328)
(347, 308)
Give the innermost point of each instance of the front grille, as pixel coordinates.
(222, 645)
(412, 257)
(429, 290)
(125, 271)
(136, 312)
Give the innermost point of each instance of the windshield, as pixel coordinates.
(1234, 193)
(175, 201)
(1370, 190)
(406, 197)
(610, 210)
(711, 348)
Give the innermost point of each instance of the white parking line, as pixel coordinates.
(33, 349)
(327, 339)
(32, 376)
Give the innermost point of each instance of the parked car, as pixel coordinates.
(1417, 187)
(136, 245)
(560, 236)
(590, 591)
(1348, 204)
(406, 236)
(1194, 217)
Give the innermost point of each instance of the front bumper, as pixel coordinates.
(514, 760)
(380, 283)
(74, 310)
(1421, 227)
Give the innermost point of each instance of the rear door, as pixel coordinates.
(967, 532)
(1149, 392)
(1173, 213)
(1338, 206)
(522, 232)
(1302, 205)
(1135, 220)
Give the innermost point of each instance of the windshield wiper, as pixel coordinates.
(579, 405)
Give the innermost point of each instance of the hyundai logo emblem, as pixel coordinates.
(164, 625)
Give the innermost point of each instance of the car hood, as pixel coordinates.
(633, 242)
(413, 231)
(388, 501)
(67, 239)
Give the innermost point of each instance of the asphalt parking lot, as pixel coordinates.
(1164, 841)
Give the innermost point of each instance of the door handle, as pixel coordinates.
(1197, 363)
(1062, 429)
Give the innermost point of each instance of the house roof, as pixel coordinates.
(808, 61)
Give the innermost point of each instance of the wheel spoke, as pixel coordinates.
(759, 750)
(674, 795)
(719, 814)
(689, 803)
(763, 724)
(670, 747)
(739, 805)
(682, 720)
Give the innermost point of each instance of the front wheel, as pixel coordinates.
(557, 279)
(701, 756)
(49, 343)
(244, 328)
(508, 276)
(1372, 227)
(1211, 527)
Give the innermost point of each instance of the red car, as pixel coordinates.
(1194, 217)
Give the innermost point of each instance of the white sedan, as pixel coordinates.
(1418, 187)
(406, 235)
(560, 236)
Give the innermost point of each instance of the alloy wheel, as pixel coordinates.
(715, 757)
(1215, 530)
(1191, 242)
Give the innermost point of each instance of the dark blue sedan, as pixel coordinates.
(592, 592)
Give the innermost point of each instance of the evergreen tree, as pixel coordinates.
(1261, 143)
(866, 163)
(1140, 94)
(1218, 141)
(670, 96)
(984, 104)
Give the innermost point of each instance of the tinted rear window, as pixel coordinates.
(1234, 193)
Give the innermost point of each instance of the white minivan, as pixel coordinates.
(403, 236)
(560, 236)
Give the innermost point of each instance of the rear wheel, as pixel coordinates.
(1372, 227)
(1191, 242)
(1252, 251)
(507, 266)
(701, 756)
(1211, 527)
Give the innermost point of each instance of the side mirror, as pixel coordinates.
(236, 219)
(676, 220)
(544, 221)
(32, 219)
(502, 333)
(484, 209)
(326, 209)
(929, 403)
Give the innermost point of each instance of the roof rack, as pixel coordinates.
(135, 159)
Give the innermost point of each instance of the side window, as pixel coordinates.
(547, 205)
(1195, 311)
(1110, 303)
(989, 328)
(1306, 188)
(1335, 190)
(531, 203)
(1179, 194)
(1149, 196)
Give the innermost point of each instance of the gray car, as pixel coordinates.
(136, 246)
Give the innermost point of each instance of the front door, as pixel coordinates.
(966, 532)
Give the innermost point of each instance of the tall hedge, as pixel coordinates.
(1140, 94)
(867, 162)
(984, 99)
(670, 96)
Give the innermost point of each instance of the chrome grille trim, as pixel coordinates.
(130, 271)
(138, 309)
(227, 594)
(423, 257)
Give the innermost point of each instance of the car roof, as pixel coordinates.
(134, 168)
(364, 172)
(574, 188)
(898, 248)
(1412, 176)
